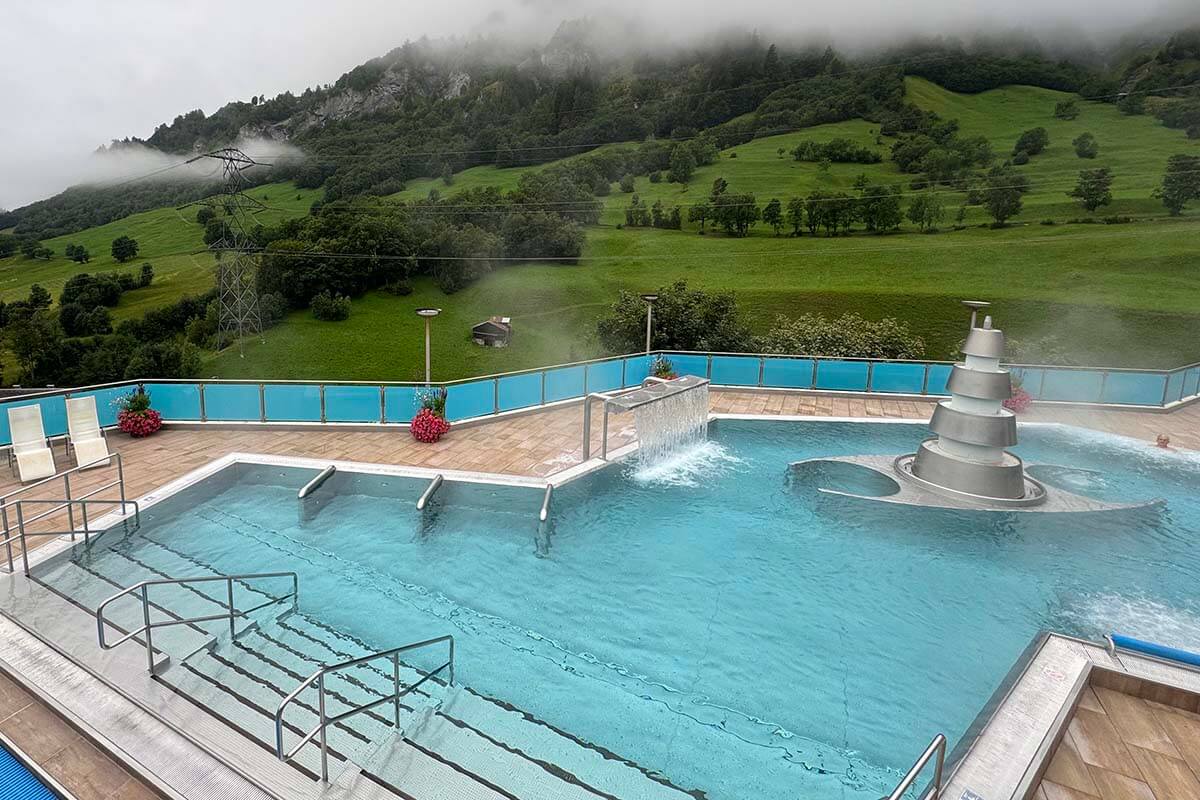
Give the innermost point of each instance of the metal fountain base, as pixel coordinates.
(900, 487)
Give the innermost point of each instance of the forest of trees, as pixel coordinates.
(508, 115)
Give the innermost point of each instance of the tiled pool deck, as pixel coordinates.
(537, 444)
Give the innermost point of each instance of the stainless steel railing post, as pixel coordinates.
(70, 505)
(21, 533)
(396, 686)
(324, 722)
(146, 622)
(451, 660)
(587, 427)
(232, 627)
(7, 534)
(604, 434)
(121, 481)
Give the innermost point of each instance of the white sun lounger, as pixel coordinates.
(85, 435)
(29, 445)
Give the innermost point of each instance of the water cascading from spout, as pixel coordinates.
(673, 423)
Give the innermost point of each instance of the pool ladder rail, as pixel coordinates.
(936, 749)
(316, 482)
(142, 592)
(324, 719)
(427, 495)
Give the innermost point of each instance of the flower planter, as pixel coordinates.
(1019, 402)
(428, 427)
(139, 423)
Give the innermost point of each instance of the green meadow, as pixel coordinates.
(1113, 294)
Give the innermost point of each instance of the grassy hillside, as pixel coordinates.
(167, 238)
(1120, 294)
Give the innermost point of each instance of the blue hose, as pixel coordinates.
(1157, 650)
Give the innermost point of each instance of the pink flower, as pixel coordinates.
(1019, 402)
(428, 427)
(139, 423)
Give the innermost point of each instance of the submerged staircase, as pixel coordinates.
(451, 743)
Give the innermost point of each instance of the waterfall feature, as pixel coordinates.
(668, 415)
(676, 421)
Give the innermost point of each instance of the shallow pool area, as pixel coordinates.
(713, 618)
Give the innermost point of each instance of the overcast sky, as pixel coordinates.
(75, 74)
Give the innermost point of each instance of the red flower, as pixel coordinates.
(139, 423)
(428, 427)
(1019, 402)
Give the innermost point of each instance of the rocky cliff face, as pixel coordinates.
(398, 82)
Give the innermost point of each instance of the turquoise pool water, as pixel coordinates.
(715, 619)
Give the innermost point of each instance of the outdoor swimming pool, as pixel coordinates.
(715, 619)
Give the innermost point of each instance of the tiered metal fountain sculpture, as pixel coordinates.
(966, 464)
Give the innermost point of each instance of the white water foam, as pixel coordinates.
(686, 466)
(1141, 617)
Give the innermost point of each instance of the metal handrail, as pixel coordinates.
(606, 398)
(312, 485)
(324, 720)
(231, 613)
(67, 502)
(22, 534)
(426, 495)
(544, 514)
(936, 747)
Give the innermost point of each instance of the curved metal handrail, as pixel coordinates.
(324, 720)
(312, 485)
(936, 747)
(142, 588)
(426, 495)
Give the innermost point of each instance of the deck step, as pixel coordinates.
(453, 739)
(88, 589)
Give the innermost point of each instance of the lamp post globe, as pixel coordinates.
(428, 314)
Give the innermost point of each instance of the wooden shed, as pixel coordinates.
(493, 332)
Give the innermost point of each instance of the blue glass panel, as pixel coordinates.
(231, 401)
(520, 391)
(604, 376)
(842, 375)
(689, 364)
(400, 403)
(564, 383)
(106, 402)
(637, 369)
(735, 370)
(1134, 388)
(1081, 386)
(1174, 389)
(288, 402)
(1028, 379)
(899, 378)
(175, 401)
(352, 404)
(1191, 386)
(54, 415)
(473, 399)
(792, 373)
(939, 376)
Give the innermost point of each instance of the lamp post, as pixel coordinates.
(428, 314)
(975, 305)
(650, 299)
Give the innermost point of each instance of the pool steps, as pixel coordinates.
(454, 741)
